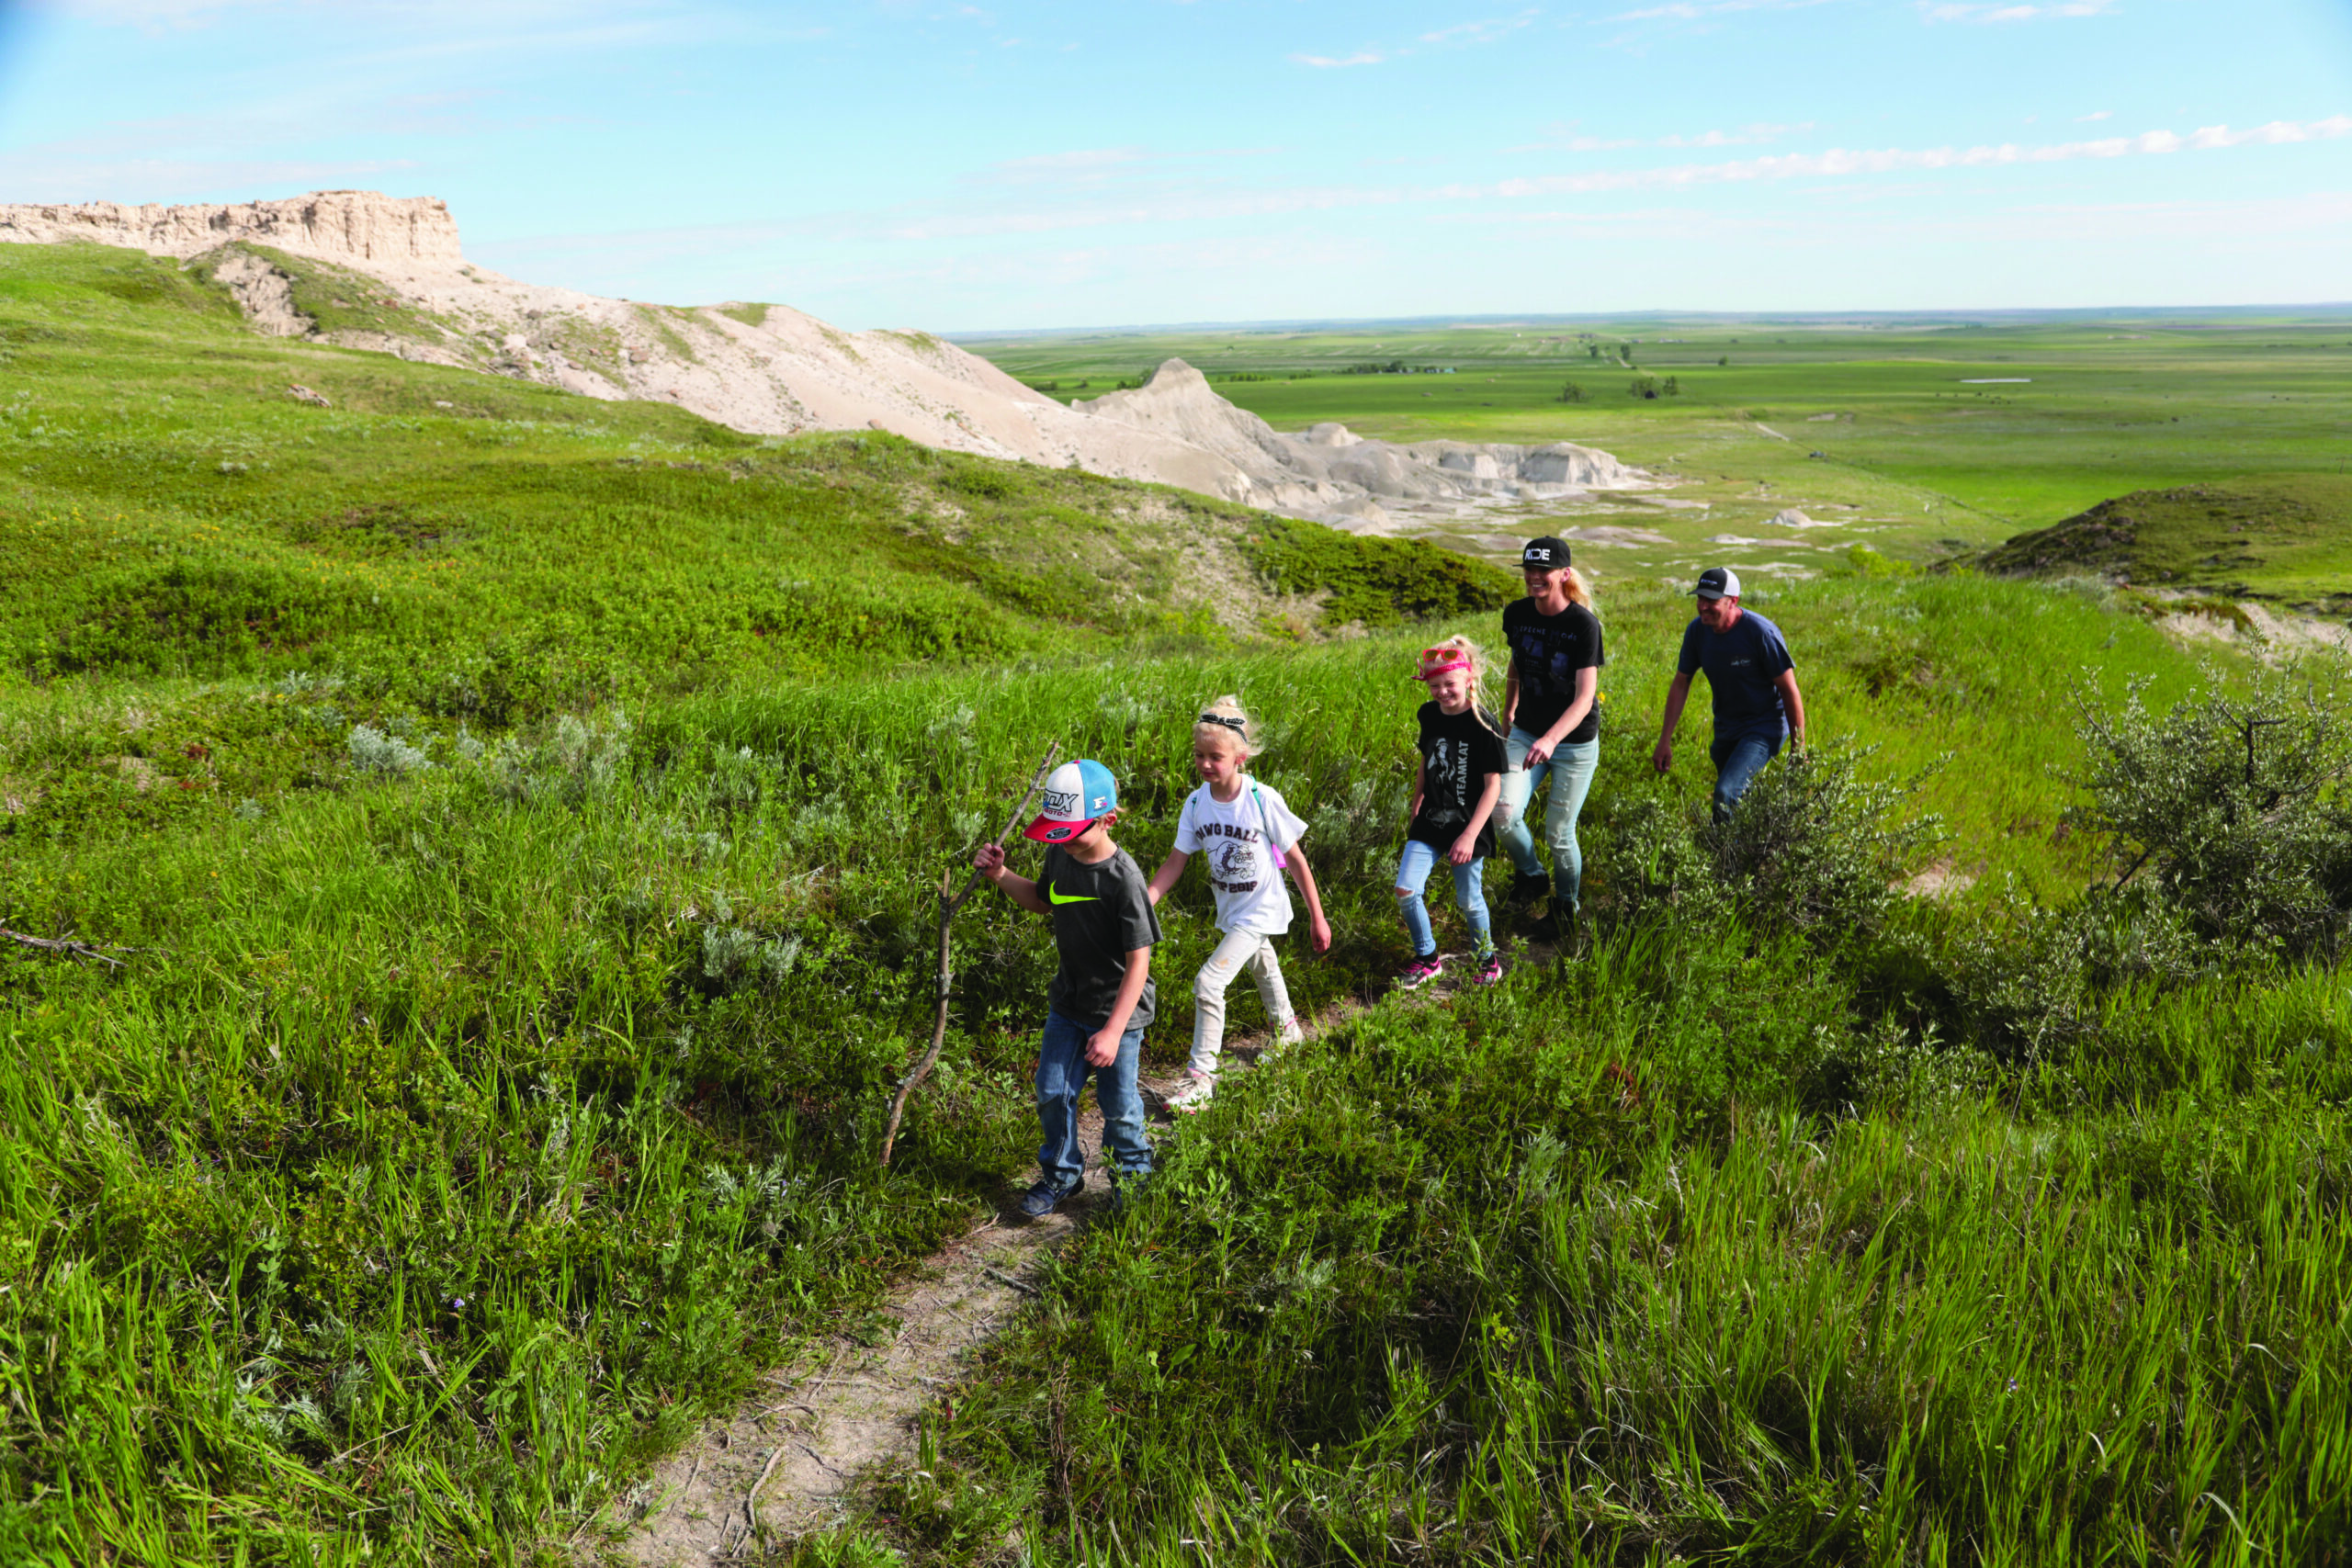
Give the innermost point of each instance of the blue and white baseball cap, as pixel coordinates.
(1077, 795)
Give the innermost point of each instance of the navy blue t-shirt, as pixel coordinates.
(1741, 665)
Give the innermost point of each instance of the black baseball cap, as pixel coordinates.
(1546, 554)
(1718, 582)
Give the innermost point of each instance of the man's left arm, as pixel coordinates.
(1793, 701)
(1103, 1049)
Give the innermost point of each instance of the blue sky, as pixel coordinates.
(1036, 164)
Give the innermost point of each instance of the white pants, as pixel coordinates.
(1238, 950)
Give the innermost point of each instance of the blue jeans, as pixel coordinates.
(1738, 759)
(1062, 1072)
(1413, 875)
(1570, 771)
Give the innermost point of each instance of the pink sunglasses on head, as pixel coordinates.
(1436, 661)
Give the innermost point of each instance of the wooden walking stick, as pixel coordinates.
(949, 902)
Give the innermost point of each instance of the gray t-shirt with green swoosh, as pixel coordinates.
(1101, 914)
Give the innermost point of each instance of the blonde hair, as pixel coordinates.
(1578, 590)
(1237, 725)
(1476, 659)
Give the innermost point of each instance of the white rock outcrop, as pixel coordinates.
(1325, 471)
(356, 226)
(771, 370)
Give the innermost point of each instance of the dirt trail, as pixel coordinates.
(788, 1461)
(785, 1462)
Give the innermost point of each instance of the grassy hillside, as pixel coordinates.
(515, 823)
(2284, 537)
(171, 507)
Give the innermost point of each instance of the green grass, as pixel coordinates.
(1917, 460)
(2282, 537)
(751, 314)
(526, 811)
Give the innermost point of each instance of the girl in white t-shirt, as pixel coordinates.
(1249, 835)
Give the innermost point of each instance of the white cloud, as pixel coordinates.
(1566, 139)
(1486, 31)
(1839, 161)
(1699, 10)
(1995, 11)
(1461, 35)
(2096, 114)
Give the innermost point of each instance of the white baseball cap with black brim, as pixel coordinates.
(1718, 582)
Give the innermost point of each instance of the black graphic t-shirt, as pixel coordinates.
(1457, 753)
(1547, 651)
(1101, 914)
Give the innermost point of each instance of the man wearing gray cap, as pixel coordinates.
(1757, 705)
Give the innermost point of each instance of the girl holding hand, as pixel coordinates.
(1455, 785)
(1249, 834)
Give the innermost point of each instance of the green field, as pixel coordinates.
(514, 817)
(1915, 459)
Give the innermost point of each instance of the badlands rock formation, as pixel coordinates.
(354, 226)
(1333, 475)
(771, 370)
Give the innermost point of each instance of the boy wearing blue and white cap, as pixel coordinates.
(1102, 997)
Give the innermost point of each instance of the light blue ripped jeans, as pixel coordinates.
(1413, 870)
(1571, 772)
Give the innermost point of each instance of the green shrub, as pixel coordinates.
(1372, 582)
(1816, 846)
(2230, 804)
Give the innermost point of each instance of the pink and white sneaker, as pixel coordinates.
(1421, 972)
(1290, 1033)
(1490, 970)
(1193, 1095)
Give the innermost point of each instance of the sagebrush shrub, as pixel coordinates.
(2229, 805)
(1816, 846)
(374, 752)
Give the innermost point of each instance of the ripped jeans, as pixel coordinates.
(1237, 952)
(1413, 875)
(1569, 768)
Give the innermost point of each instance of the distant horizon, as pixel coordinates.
(1440, 320)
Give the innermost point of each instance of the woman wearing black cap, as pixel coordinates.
(1550, 701)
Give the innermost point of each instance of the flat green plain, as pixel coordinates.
(1921, 436)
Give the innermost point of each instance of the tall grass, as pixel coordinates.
(531, 886)
(470, 1130)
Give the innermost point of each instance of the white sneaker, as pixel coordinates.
(1194, 1094)
(1290, 1033)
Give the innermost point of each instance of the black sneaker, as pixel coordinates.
(1525, 888)
(1046, 1197)
(1540, 928)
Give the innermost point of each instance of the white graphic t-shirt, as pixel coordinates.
(1250, 892)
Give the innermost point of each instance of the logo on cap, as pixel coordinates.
(1076, 795)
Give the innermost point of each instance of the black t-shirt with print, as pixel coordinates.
(1101, 914)
(1547, 651)
(1457, 753)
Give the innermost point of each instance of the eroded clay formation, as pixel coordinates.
(773, 370)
